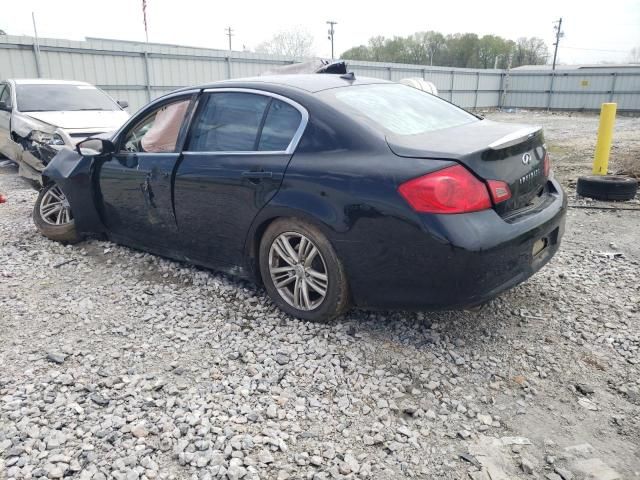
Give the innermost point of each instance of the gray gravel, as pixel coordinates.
(119, 364)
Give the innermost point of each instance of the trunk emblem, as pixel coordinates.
(526, 158)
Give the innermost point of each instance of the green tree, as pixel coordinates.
(457, 50)
(462, 50)
(493, 51)
(376, 49)
(357, 53)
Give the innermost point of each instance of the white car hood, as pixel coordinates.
(94, 119)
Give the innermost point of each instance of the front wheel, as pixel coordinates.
(52, 215)
(301, 272)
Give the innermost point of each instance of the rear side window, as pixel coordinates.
(228, 122)
(280, 126)
(400, 109)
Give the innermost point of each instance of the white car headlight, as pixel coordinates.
(47, 138)
(56, 140)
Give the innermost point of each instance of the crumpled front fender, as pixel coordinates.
(74, 175)
(23, 125)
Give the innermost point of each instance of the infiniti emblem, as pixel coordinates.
(526, 158)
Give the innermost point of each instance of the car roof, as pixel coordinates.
(312, 83)
(45, 81)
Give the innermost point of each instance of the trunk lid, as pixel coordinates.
(511, 153)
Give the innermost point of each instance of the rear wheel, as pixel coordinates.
(301, 272)
(52, 215)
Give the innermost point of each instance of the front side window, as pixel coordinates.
(5, 95)
(62, 98)
(228, 122)
(279, 127)
(399, 109)
(158, 131)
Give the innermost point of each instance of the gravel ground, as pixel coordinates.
(119, 364)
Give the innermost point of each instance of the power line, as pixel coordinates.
(331, 32)
(595, 49)
(559, 34)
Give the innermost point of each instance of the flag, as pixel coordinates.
(144, 15)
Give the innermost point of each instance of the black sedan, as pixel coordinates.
(331, 190)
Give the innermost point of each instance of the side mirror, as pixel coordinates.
(95, 147)
(4, 106)
(123, 103)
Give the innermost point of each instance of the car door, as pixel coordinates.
(7, 146)
(238, 147)
(135, 199)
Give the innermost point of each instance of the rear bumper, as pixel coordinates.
(451, 261)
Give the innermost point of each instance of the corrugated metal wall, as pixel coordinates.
(138, 72)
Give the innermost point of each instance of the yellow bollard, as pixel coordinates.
(605, 135)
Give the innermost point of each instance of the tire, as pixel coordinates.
(304, 272)
(607, 187)
(46, 222)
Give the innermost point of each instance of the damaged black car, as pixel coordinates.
(330, 190)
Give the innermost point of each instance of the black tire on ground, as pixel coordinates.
(607, 187)
(65, 233)
(336, 300)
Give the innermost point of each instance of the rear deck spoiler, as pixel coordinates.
(515, 138)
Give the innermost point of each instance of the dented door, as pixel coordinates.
(136, 182)
(136, 197)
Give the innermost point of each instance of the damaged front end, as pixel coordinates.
(38, 143)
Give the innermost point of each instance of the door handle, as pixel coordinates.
(258, 175)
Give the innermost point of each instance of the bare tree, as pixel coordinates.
(634, 55)
(530, 51)
(295, 43)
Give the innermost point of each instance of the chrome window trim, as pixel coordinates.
(295, 140)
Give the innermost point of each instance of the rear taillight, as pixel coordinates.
(499, 190)
(450, 190)
(546, 164)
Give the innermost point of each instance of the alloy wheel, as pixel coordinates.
(55, 208)
(298, 271)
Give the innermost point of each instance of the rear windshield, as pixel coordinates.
(400, 109)
(62, 98)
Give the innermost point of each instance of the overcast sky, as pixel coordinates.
(591, 34)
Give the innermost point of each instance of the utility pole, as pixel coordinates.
(36, 45)
(229, 34)
(559, 35)
(331, 32)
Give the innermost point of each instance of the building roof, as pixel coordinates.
(46, 81)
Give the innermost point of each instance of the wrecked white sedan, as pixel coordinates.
(38, 117)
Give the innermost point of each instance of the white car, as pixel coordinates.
(38, 117)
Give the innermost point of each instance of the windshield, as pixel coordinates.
(400, 109)
(62, 98)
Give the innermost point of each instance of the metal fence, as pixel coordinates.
(139, 72)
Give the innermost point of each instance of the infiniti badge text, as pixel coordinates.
(529, 176)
